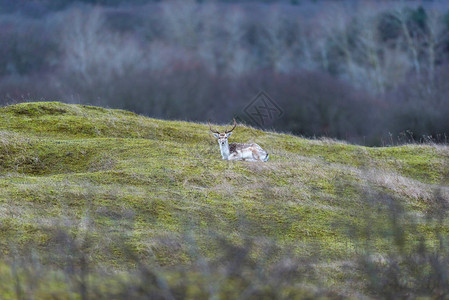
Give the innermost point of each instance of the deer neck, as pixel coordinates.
(225, 150)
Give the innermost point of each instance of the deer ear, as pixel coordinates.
(216, 135)
(228, 134)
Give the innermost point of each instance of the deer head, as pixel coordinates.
(222, 137)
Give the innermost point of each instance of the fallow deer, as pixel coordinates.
(238, 151)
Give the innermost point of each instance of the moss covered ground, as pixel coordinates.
(117, 174)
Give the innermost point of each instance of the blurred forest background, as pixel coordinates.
(369, 72)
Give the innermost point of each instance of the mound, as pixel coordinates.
(104, 170)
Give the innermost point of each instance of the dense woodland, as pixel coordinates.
(363, 71)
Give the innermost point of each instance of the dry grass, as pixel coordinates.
(143, 184)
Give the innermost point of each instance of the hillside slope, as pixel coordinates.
(115, 173)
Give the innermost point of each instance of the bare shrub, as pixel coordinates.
(378, 69)
(411, 268)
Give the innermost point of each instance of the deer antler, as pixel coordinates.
(235, 124)
(210, 127)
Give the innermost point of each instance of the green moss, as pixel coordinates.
(153, 179)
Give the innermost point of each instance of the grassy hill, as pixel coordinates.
(159, 189)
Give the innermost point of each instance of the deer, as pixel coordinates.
(238, 151)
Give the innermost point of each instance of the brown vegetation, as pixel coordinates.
(363, 74)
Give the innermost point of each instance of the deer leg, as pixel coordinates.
(233, 156)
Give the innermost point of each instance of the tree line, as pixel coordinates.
(365, 72)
